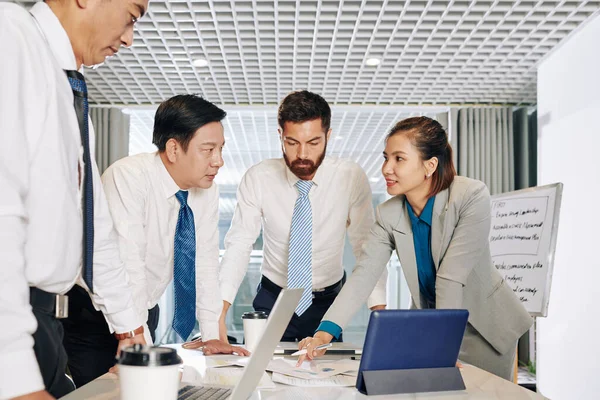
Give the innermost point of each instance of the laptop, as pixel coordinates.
(410, 339)
(280, 316)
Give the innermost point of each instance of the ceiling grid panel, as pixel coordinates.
(431, 52)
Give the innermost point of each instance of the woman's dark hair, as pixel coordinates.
(304, 106)
(180, 117)
(431, 140)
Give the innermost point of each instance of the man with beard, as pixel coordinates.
(305, 203)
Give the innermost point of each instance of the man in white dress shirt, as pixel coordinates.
(150, 196)
(55, 226)
(305, 203)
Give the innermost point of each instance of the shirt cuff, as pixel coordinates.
(330, 327)
(20, 374)
(124, 321)
(209, 329)
(228, 292)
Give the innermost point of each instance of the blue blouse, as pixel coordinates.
(421, 227)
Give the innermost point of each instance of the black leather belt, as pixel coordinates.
(327, 291)
(51, 303)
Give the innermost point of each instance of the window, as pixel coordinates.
(251, 137)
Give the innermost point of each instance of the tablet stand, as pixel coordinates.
(419, 380)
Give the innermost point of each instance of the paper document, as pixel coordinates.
(224, 360)
(318, 369)
(338, 380)
(337, 348)
(350, 367)
(227, 377)
(197, 359)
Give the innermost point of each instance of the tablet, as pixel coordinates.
(409, 339)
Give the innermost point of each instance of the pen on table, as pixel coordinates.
(321, 347)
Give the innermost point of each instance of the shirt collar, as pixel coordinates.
(55, 35)
(168, 184)
(292, 179)
(427, 214)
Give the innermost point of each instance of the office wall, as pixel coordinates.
(569, 141)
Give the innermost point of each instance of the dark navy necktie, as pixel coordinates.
(81, 105)
(184, 271)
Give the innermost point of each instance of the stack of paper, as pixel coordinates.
(338, 380)
(314, 373)
(336, 348)
(215, 370)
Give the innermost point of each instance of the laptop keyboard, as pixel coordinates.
(203, 393)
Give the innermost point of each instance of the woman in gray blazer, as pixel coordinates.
(439, 225)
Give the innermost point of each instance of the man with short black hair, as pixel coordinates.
(305, 203)
(166, 212)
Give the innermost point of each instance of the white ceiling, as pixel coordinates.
(433, 52)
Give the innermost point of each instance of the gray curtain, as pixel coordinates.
(112, 135)
(499, 147)
(485, 147)
(495, 145)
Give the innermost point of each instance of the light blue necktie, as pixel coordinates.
(300, 251)
(184, 272)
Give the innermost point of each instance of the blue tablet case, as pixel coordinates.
(413, 351)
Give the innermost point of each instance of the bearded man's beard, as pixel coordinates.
(305, 168)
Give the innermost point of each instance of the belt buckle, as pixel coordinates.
(62, 306)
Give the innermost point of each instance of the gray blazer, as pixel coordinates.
(466, 277)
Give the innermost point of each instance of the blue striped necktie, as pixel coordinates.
(80, 102)
(300, 250)
(184, 271)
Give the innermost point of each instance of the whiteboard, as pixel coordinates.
(523, 239)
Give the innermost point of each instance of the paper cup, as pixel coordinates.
(254, 325)
(149, 373)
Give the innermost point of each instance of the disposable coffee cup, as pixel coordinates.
(254, 325)
(149, 373)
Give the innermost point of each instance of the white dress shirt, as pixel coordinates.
(40, 197)
(341, 202)
(141, 197)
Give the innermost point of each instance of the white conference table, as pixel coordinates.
(479, 385)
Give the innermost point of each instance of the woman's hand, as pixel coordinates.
(310, 343)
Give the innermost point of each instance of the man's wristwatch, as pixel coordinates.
(130, 334)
